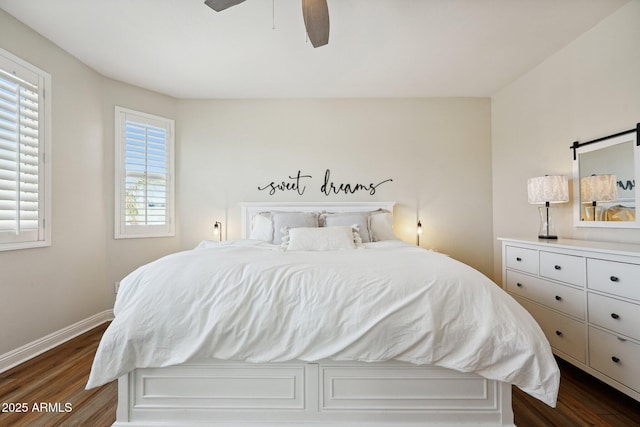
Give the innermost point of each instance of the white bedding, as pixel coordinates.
(247, 300)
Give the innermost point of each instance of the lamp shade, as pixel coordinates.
(598, 188)
(548, 188)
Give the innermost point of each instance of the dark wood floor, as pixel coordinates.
(57, 378)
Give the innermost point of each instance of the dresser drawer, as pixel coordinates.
(564, 268)
(618, 316)
(522, 259)
(617, 359)
(613, 277)
(564, 334)
(559, 297)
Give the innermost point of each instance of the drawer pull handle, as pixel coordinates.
(518, 259)
(558, 333)
(621, 339)
(557, 267)
(519, 284)
(558, 298)
(614, 279)
(614, 316)
(615, 359)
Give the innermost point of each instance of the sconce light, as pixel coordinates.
(547, 189)
(598, 188)
(419, 232)
(217, 230)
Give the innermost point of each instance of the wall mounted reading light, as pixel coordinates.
(217, 230)
(419, 232)
(546, 190)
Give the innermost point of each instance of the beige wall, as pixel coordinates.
(125, 255)
(589, 89)
(440, 153)
(47, 289)
(437, 151)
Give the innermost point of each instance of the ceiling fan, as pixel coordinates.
(314, 12)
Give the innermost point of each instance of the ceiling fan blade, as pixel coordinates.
(316, 20)
(220, 5)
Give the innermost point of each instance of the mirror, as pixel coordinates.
(604, 181)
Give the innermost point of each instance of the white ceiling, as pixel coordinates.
(377, 48)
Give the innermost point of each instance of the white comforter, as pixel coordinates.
(246, 300)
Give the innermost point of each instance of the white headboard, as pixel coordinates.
(250, 209)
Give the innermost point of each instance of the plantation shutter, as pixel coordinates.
(21, 156)
(146, 196)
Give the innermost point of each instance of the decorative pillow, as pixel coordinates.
(381, 226)
(291, 220)
(321, 238)
(262, 227)
(361, 219)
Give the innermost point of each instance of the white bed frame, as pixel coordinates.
(297, 393)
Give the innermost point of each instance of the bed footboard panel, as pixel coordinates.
(318, 394)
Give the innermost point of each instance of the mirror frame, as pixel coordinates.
(597, 144)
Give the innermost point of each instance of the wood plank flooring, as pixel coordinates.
(57, 378)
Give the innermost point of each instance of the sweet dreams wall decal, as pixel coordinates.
(298, 183)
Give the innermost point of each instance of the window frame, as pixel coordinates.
(22, 69)
(121, 229)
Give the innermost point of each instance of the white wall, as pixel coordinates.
(587, 90)
(125, 255)
(437, 151)
(440, 153)
(47, 289)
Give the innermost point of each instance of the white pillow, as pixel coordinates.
(262, 227)
(381, 226)
(291, 220)
(332, 219)
(321, 238)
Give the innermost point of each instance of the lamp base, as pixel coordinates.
(548, 237)
(593, 213)
(547, 227)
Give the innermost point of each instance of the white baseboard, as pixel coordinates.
(39, 346)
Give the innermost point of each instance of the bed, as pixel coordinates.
(345, 326)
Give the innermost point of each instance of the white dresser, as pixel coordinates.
(586, 298)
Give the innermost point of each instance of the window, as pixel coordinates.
(144, 189)
(25, 138)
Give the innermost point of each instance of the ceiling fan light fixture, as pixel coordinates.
(220, 5)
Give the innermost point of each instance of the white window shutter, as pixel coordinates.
(23, 142)
(144, 168)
